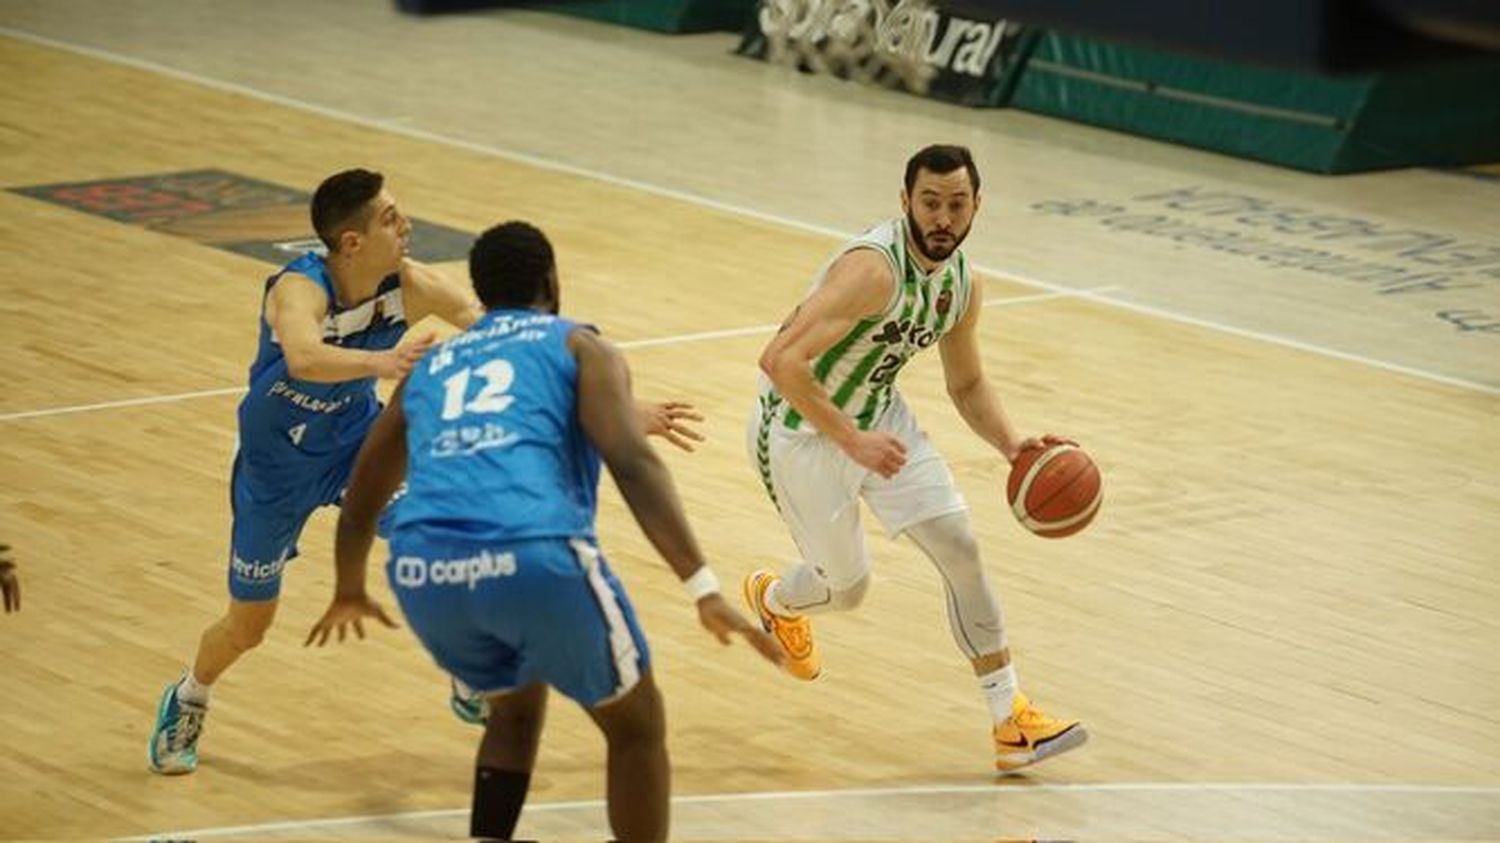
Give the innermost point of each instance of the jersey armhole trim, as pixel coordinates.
(895, 277)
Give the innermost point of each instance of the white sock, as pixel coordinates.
(1000, 691)
(193, 691)
(773, 602)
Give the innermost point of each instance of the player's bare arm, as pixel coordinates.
(971, 392)
(858, 285)
(605, 411)
(428, 291)
(377, 473)
(295, 309)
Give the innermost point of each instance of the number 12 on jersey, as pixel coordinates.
(495, 380)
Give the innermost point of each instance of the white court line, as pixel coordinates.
(645, 343)
(397, 128)
(762, 796)
(125, 402)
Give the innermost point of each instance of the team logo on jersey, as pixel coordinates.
(944, 302)
(906, 330)
(892, 332)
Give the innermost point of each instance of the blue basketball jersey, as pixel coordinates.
(495, 449)
(283, 418)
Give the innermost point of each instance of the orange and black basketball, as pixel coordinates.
(1054, 491)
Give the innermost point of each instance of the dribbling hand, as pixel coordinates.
(880, 452)
(1044, 441)
(723, 621)
(345, 612)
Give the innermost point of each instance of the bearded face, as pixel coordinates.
(939, 212)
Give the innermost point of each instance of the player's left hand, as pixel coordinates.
(1044, 441)
(343, 613)
(668, 420)
(723, 621)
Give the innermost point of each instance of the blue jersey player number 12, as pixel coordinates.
(499, 433)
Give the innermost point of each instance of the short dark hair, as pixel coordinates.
(941, 158)
(342, 202)
(511, 265)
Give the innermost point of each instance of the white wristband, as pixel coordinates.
(701, 584)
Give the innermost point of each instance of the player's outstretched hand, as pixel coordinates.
(393, 364)
(343, 613)
(723, 621)
(8, 582)
(668, 419)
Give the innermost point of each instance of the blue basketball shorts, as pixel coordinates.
(271, 505)
(502, 616)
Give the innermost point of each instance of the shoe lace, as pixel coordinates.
(1030, 717)
(184, 732)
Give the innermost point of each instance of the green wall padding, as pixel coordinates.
(1430, 114)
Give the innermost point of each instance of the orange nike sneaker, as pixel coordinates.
(795, 634)
(1029, 736)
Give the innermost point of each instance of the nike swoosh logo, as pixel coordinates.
(1020, 744)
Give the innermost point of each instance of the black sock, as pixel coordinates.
(498, 796)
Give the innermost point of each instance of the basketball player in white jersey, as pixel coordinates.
(831, 427)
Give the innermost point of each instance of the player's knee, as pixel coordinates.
(950, 543)
(248, 630)
(962, 558)
(639, 721)
(513, 721)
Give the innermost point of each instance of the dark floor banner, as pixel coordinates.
(909, 45)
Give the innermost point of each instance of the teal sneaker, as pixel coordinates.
(468, 705)
(174, 742)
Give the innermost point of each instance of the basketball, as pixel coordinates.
(1054, 491)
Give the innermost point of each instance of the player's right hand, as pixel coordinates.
(878, 451)
(344, 612)
(723, 621)
(393, 364)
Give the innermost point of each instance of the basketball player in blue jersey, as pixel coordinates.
(832, 427)
(494, 558)
(329, 328)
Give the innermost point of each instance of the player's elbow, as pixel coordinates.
(300, 363)
(300, 368)
(959, 392)
(767, 362)
(632, 463)
(778, 364)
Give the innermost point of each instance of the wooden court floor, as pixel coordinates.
(1283, 624)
